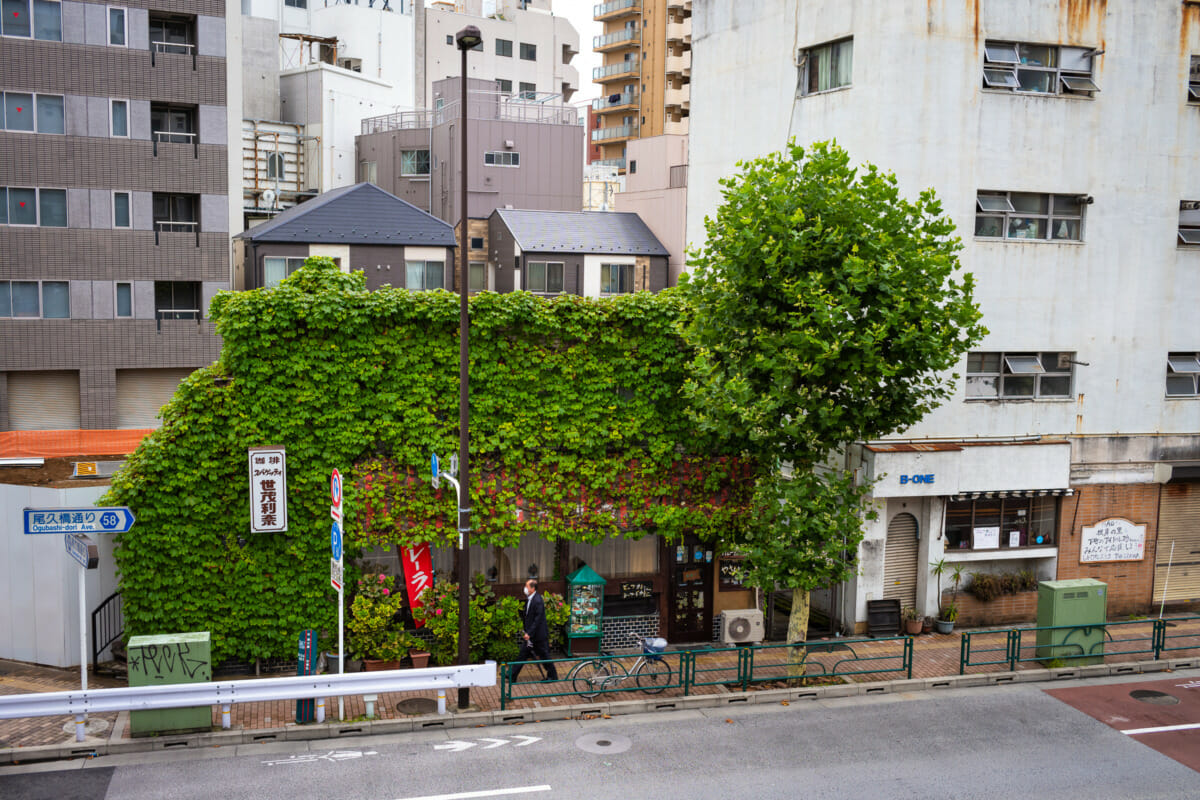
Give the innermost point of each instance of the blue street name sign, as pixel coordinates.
(335, 541)
(114, 519)
(82, 549)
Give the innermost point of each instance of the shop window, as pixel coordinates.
(1019, 376)
(618, 556)
(533, 556)
(1038, 68)
(1007, 523)
(1183, 375)
(828, 66)
(1030, 216)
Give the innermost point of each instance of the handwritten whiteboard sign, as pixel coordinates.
(987, 538)
(1113, 539)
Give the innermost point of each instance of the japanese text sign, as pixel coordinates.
(418, 572)
(1112, 540)
(268, 490)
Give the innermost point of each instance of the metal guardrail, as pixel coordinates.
(1071, 644)
(691, 669)
(226, 693)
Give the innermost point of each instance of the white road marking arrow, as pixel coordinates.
(454, 746)
(498, 743)
(528, 740)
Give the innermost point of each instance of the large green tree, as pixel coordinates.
(825, 309)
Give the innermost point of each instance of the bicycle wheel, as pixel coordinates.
(653, 676)
(588, 678)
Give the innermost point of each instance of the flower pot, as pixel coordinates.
(419, 658)
(912, 626)
(945, 625)
(927, 625)
(374, 665)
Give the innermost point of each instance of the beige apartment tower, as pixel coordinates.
(644, 80)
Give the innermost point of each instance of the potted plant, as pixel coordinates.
(946, 617)
(375, 635)
(948, 613)
(912, 621)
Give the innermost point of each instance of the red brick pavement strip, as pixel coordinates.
(934, 656)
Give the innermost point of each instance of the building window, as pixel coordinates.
(616, 278)
(1026, 215)
(1004, 523)
(120, 117)
(122, 216)
(422, 276)
(505, 86)
(827, 66)
(368, 172)
(176, 213)
(1189, 222)
(43, 113)
(476, 243)
(172, 34)
(414, 162)
(296, 3)
(176, 300)
(275, 166)
(117, 29)
(1193, 95)
(276, 269)
(633, 166)
(504, 48)
(477, 279)
(27, 206)
(1019, 376)
(502, 158)
(34, 299)
(125, 300)
(170, 123)
(527, 91)
(1183, 375)
(45, 22)
(543, 277)
(449, 38)
(1038, 68)
(528, 52)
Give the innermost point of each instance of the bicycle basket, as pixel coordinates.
(654, 646)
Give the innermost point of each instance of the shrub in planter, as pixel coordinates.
(374, 627)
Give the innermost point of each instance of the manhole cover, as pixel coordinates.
(92, 726)
(417, 705)
(603, 743)
(1156, 698)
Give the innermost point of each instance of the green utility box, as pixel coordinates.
(1080, 601)
(168, 659)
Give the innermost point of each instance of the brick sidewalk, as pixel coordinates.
(934, 656)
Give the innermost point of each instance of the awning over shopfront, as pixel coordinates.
(968, 470)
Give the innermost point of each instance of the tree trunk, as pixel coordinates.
(797, 631)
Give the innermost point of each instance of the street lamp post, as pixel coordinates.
(466, 39)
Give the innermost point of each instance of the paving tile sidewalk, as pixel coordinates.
(934, 656)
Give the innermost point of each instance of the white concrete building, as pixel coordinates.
(527, 48)
(1061, 138)
(656, 190)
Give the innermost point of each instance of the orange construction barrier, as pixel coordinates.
(58, 444)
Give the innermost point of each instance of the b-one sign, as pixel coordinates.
(1113, 539)
(268, 490)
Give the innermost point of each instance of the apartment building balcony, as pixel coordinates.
(679, 5)
(615, 134)
(619, 163)
(615, 102)
(616, 71)
(617, 40)
(679, 33)
(680, 65)
(616, 9)
(676, 127)
(678, 99)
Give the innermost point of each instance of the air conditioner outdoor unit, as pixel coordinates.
(741, 626)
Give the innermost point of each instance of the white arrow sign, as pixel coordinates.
(456, 746)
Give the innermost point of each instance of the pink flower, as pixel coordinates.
(386, 592)
(381, 577)
(438, 612)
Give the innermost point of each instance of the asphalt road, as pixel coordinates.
(1013, 741)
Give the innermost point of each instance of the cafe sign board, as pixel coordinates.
(268, 490)
(1112, 539)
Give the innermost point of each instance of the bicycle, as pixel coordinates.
(650, 671)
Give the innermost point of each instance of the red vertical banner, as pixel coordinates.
(418, 573)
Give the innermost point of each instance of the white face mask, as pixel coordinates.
(528, 593)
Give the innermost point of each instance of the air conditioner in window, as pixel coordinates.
(743, 626)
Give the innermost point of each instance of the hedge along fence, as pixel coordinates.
(575, 402)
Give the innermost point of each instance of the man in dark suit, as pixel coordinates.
(537, 633)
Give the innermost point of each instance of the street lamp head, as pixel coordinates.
(468, 38)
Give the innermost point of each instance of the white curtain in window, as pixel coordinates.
(274, 271)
